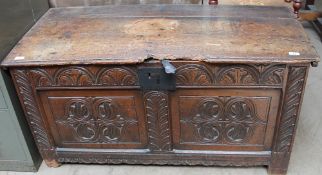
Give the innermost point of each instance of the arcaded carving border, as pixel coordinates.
(230, 75)
(192, 74)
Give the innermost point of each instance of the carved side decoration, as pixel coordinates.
(238, 75)
(216, 120)
(32, 113)
(117, 77)
(96, 120)
(290, 111)
(193, 74)
(157, 113)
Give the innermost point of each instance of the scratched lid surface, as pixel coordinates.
(130, 34)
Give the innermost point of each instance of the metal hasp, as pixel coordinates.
(158, 78)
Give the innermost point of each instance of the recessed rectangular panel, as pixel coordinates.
(108, 119)
(224, 119)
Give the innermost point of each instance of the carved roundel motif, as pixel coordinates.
(78, 109)
(86, 131)
(237, 132)
(239, 109)
(111, 133)
(209, 132)
(106, 110)
(210, 109)
(96, 120)
(222, 119)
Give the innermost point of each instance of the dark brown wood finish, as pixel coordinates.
(226, 110)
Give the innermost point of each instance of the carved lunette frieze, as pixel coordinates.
(28, 101)
(157, 113)
(83, 76)
(290, 111)
(194, 74)
(237, 75)
(229, 75)
(186, 75)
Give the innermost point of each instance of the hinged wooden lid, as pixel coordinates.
(131, 34)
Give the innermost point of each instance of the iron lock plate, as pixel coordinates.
(155, 78)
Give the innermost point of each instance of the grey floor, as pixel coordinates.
(306, 157)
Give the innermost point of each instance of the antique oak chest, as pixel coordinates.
(164, 84)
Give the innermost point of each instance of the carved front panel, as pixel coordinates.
(216, 107)
(224, 119)
(105, 119)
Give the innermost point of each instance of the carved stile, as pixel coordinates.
(290, 111)
(24, 88)
(289, 116)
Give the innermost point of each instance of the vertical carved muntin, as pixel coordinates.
(29, 104)
(158, 121)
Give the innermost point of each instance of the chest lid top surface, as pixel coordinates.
(129, 34)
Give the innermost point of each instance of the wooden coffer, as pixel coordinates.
(164, 84)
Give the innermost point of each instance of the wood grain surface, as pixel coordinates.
(131, 34)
